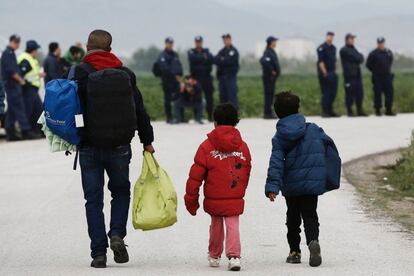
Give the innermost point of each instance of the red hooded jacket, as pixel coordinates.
(223, 162)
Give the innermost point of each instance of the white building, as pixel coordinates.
(291, 47)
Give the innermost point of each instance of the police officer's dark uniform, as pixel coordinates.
(329, 82)
(227, 61)
(270, 72)
(2, 99)
(201, 65)
(16, 111)
(379, 62)
(170, 67)
(351, 60)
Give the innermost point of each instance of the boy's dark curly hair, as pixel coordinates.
(226, 114)
(286, 103)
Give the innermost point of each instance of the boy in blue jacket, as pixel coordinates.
(297, 168)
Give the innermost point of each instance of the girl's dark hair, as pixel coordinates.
(286, 103)
(226, 114)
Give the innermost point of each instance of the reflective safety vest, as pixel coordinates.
(33, 75)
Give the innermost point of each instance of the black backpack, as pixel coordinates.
(156, 69)
(110, 116)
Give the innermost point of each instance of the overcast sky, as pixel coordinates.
(140, 23)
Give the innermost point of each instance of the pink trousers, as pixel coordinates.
(233, 248)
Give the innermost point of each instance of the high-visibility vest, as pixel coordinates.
(33, 75)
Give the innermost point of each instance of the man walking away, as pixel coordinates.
(201, 64)
(171, 74)
(271, 71)
(351, 60)
(30, 69)
(113, 110)
(13, 82)
(328, 79)
(227, 61)
(379, 62)
(52, 65)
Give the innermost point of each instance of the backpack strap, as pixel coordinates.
(87, 67)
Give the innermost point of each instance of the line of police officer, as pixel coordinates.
(201, 64)
(21, 77)
(379, 63)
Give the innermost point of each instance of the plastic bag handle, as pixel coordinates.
(152, 164)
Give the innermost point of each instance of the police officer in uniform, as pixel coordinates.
(271, 71)
(30, 69)
(351, 60)
(227, 61)
(379, 62)
(13, 82)
(328, 79)
(201, 64)
(171, 74)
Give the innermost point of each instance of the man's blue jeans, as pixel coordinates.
(94, 162)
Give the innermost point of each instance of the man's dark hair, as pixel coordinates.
(226, 114)
(75, 50)
(99, 40)
(53, 46)
(286, 103)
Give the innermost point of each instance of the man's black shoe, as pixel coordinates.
(389, 112)
(99, 262)
(269, 116)
(378, 112)
(11, 135)
(119, 248)
(361, 113)
(30, 135)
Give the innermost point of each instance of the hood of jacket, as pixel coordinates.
(291, 127)
(101, 60)
(225, 138)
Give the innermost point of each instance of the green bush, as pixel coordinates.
(402, 174)
(306, 86)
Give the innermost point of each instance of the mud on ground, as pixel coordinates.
(369, 175)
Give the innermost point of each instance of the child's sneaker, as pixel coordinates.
(315, 258)
(234, 264)
(293, 258)
(214, 262)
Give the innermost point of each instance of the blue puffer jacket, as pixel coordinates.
(297, 165)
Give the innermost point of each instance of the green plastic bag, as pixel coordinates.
(155, 199)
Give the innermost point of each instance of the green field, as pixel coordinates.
(306, 86)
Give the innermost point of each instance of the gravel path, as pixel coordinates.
(43, 228)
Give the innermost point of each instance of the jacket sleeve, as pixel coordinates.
(276, 168)
(249, 163)
(266, 62)
(370, 61)
(352, 55)
(196, 177)
(230, 60)
(145, 131)
(25, 67)
(195, 57)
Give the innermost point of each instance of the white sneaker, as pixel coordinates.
(214, 262)
(234, 264)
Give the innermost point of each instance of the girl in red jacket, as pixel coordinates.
(223, 163)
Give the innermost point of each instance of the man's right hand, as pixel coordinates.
(149, 148)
